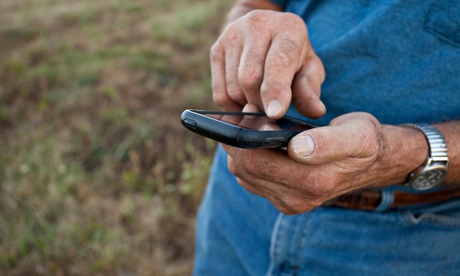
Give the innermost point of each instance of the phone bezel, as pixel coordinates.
(238, 136)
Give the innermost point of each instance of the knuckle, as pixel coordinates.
(286, 211)
(235, 93)
(233, 168)
(270, 86)
(221, 99)
(319, 67)
(295, 23)
(314, 67)
(215, 53)
(231, 34)
(326, 188)
(293, 206)
(283, 204)
(239, 167)
(243, 184)
(246, 185)
(372, 134)
(256, 17)
(250, 79)
(296, 207)
(233, 89)
(215, 57)
(318, 191)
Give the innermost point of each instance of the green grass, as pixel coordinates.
(97, 176)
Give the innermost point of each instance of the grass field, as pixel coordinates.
(97, 176)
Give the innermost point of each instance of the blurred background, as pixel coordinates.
(97, 175)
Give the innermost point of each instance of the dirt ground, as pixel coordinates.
(97, 175)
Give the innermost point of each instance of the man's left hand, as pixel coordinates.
(321, 164)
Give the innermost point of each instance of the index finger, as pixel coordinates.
(284, 59)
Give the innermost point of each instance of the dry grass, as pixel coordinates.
(97, 176)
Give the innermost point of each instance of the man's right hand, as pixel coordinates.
(265, 58)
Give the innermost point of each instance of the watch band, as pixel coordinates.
(435, 169)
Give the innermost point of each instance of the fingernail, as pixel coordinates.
(274, 108)
(250, 108)
(323, 107)
(267, 127)
(303, 146)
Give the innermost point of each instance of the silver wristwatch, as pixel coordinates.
(434, 170)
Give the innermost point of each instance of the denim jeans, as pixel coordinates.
(239, 233)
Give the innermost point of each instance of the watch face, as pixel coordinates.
(429, 178)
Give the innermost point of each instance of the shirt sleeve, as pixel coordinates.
(282, 3)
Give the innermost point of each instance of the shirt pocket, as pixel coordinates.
(443, 20)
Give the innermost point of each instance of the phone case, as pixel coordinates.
(237, 136)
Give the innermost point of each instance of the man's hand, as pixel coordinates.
(265, 58)
(355, 151)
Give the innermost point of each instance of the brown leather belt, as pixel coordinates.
(370, 199)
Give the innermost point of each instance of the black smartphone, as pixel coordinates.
(243, 129)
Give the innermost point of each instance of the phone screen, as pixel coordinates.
(259, 121)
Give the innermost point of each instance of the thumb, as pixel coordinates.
(353, 135)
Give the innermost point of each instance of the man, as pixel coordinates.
(334, 203)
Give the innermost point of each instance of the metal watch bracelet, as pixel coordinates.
(434, 170)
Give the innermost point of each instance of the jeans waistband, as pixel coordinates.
(380, 200)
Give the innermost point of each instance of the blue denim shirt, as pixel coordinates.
(398, 60)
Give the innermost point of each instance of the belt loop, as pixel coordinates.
(387, 200)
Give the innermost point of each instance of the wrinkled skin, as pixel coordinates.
(263, 61)
(341, 162)
(259, 57)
